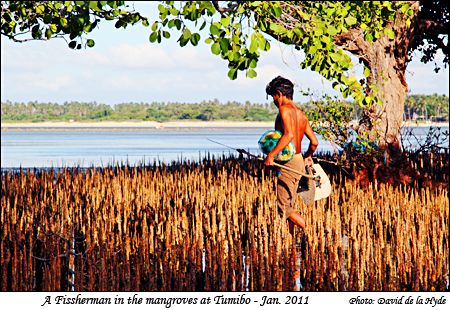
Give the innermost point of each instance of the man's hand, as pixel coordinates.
(269, 161)
(308, 161)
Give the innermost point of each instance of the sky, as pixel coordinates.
(124, 66)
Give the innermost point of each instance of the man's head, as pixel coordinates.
(282, 85)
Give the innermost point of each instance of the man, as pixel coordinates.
(294, 124)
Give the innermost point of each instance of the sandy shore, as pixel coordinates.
(139, 124)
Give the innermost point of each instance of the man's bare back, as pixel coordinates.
(300, 123)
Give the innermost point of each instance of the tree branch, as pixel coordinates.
(434, 29)
(222, 10)
(353, 41)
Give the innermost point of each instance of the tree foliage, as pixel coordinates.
(72, 20)
(319, 28)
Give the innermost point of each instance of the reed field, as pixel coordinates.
(213, 225)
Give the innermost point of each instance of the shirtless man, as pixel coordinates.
(294, 124)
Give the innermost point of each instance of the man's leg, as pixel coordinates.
(297, 219)
(286, 196)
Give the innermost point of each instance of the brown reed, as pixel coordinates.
(213, 226)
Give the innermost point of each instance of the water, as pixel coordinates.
(65, 148)
(94, 147)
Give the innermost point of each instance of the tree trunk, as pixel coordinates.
(387, 60)
(382, 122)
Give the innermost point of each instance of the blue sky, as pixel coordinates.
(125, 67)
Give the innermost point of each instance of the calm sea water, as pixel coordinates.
(93, 147)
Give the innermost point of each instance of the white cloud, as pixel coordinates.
(129, 56)
(194, 59)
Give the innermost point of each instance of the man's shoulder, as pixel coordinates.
(289, 107)
(301, 116)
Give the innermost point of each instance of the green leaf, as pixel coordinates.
(120, 23)
(178, 24)
(224, 45)
(186, 34)
(162, 9)
(332, 30)
(225, 21)
(53, 28)
(410, 12)
(346, 92)
(251, 73)
(90, 43)
(263, 43)
(154, 26)
(368, 37)
(203, 26)
(166, 34)
(277, 28)
(72, 44)
(253, 44)
(350, 20)
(47, 18)
(195, 38)
(40, 9)
(232, 74)
(48, 33)
(94, 5)
(326, 39)
(36, 32)
(368, 100)
(404, 8)
(214, 30)
(236, 56)
(366, 72)
(183, 41)
(277, 11)
(215, 48)
(408, 23)
(7, 17)
(336, 57)
(153, 37)
(389, 33)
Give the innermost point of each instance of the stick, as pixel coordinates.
(242, 151)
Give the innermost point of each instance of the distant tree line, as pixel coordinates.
(426, 107)
(92, 111)
(416, 107)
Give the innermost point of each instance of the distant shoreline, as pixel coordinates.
(141, 124)
(170, 124)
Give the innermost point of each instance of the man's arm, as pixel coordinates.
(313, 143)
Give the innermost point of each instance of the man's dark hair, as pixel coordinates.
(280, 84)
